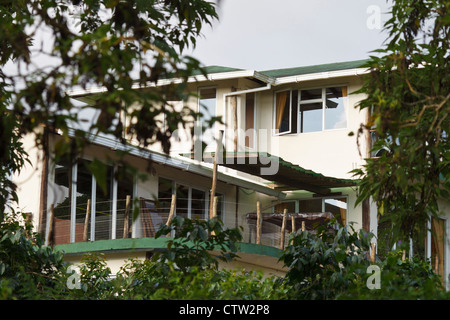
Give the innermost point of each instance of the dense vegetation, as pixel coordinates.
(331, 263)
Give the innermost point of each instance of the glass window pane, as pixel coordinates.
(310, 206)
(311, 117)
(282, 110)
(208, 110)
(164, 195)
(60, 195)
(249, 119)
(335, 109)
(220, 206)
(61, 190)
(182, 203)
(198, 204)
(338, 207)
(124, 189)
(103, 208)
(294, 112)
(208, 103)
(311, 94)
(290, 206)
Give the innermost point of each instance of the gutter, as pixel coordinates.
(322, 75)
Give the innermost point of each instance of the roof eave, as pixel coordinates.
(321, 75)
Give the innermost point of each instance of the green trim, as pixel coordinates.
(278, 73)
(144, 244)
(320, 179)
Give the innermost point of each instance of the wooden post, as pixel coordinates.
(50, 239)
(29, 222)
(293, 228)
(172, 209)
(214, 177)
(86, 221)
(258, 223)
(126, 217)
(372, 253)
(283, 227)
(214, 211)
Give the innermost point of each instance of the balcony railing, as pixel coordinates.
(114, 221)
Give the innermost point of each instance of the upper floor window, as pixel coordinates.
(250, 120)
(207, 107)
(207, 103)
(310, 110)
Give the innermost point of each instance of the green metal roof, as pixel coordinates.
(214, 69)
(278, 73)
(288, 176)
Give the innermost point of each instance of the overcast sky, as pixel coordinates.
(272, 34)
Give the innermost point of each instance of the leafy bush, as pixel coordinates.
(325, 263)
(151, 280)
(401, 279)
(194, 240)
(333, 264)
(28, 270)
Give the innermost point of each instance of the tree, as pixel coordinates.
(112, 44)
(409, 100)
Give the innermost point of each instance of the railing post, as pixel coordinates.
(86, 220)
(283, 227)
(293, 227)
(372, 252)
(126, 217)
(258, 223)
(172, 209)
(50, 239)
(214, 211)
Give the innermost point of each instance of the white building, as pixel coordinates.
(287, 143)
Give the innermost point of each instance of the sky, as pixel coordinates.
(274, 34)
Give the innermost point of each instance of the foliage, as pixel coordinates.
(28, 270)
(148, 280)
(409, 99)
(326, 263)
(121, 47)
(195, 240)
(401, 279)
(334, 264)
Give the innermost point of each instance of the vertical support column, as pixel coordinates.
(93, 207)
(114, 206)
(135, 196)
(172, 209)
(366, 215)
(86, 221)
(283, 228)
(258, 223)
(73, 202)
(50, 235)
(126, 217)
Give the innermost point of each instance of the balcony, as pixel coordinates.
(114, 222)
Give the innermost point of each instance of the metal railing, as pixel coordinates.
(109, 221)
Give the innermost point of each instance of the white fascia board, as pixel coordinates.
(322, 75)
(163, 82)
